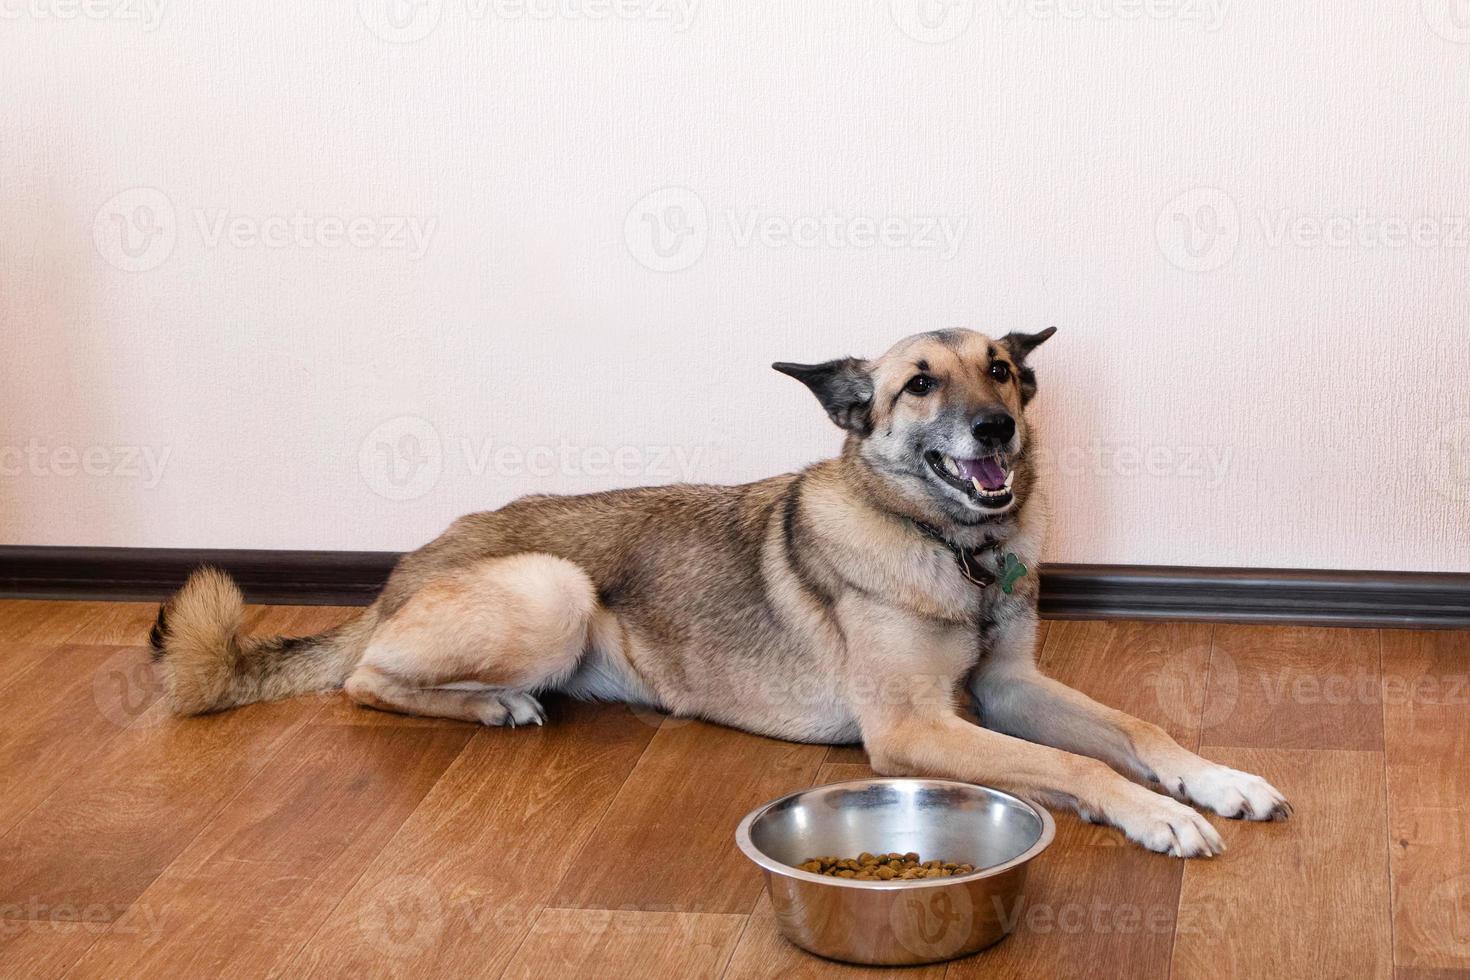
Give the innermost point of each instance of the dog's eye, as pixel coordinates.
(921, 385)
(1000, 371)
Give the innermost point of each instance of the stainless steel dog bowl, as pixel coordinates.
(891, 922)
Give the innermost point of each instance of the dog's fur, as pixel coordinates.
(815, 606)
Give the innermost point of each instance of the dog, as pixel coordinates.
(852, 601)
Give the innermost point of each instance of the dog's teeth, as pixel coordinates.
(951, 466)
(981, 491)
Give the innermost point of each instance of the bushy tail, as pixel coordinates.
(207, 665)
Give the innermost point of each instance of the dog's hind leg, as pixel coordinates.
(476, 643)
(373, 688)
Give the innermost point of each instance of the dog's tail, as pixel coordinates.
(207, 665)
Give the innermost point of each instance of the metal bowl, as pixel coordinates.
(894, 923)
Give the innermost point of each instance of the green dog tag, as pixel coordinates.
(1014, 571)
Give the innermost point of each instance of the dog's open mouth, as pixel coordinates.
(987, 480)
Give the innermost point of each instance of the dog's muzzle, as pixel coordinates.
(986, 480)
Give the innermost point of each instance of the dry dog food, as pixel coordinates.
(884, 867)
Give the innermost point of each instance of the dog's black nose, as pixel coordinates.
(994, 430)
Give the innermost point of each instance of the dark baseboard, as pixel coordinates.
(1408, 600)
(1411, 600)
(324, 578)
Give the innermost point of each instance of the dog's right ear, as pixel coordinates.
(844, 388)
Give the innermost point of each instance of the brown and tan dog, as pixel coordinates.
(849, 601)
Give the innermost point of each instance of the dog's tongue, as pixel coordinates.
(988, 471)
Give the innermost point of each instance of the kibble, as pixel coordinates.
(884, 867)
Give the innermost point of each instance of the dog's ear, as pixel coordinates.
(844, 387)
(1020, 345)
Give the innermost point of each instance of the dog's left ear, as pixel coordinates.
(844, 388)
(1020, 345)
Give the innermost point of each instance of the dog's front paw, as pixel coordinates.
(1231, 793)
(1164, 825)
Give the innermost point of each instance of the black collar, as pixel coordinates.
(968, 559)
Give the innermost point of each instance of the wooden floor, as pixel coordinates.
(312, 837)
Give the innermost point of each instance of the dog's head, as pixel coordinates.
(940, 418)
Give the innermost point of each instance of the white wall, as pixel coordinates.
(228, 393)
